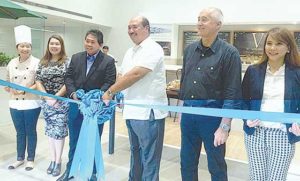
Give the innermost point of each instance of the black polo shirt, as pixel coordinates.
(212, 73)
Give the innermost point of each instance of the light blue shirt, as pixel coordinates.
(90, 59)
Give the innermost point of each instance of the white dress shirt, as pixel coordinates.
(273, 96)
(151, 89)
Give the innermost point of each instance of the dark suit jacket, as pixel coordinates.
(102, 74)
(253, 86)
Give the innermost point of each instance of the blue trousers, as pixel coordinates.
(25, 124)
(146, 143)
(195, 130)
(75, 119)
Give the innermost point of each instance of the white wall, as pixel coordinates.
(115, 14)
(186, 11)
(182, 12)
(118, 39)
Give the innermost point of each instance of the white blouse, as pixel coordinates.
(273, 96)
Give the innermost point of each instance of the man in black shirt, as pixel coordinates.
(211, 77)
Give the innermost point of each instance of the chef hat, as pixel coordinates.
(22, 34)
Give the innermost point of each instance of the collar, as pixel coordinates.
(214, 46)
(19, 59)
(95, 55)
(142, 44)
(279, 71)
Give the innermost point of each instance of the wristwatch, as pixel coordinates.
(110, 93)
(224, 127)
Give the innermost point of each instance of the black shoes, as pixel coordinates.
(65, 176)
(56, 170)
(50, 168)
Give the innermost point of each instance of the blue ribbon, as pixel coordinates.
(288, 118)
(88, 150)
(32, 91)
(89, 147)
(229, 113)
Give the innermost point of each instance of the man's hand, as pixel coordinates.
(253, 123)
(106, 98)
(295, 129)
(220, 137)
(74, 96)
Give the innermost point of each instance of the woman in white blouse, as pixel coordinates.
(272, 85)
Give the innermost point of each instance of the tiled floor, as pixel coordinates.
(116, 165)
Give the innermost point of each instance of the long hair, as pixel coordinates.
(283, 35)
(48, 56)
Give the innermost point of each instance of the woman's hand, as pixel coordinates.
(7, 89)
(51, 102)
(295, 129)
(16, 92)
(253, 123)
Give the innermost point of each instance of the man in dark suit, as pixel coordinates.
(88, 70)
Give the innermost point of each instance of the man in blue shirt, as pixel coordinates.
(88, 70)
(211, 77)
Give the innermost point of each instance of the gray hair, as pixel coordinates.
(144, 21)
(215, 13)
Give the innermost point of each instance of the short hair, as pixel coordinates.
(96, 33)
(285, 36)
(105, 47)
(215, 13)
(145, 22)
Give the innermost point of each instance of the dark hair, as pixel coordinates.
(285, 36)
(62, 55)
(105, 47)
(145, 23)
(96, 33)
(20, 43)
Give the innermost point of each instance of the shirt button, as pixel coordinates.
(195, 82)
(202, 55)
(211, 68)
(24, 77)
(16, 77)
(199, 68)
(192, 97)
